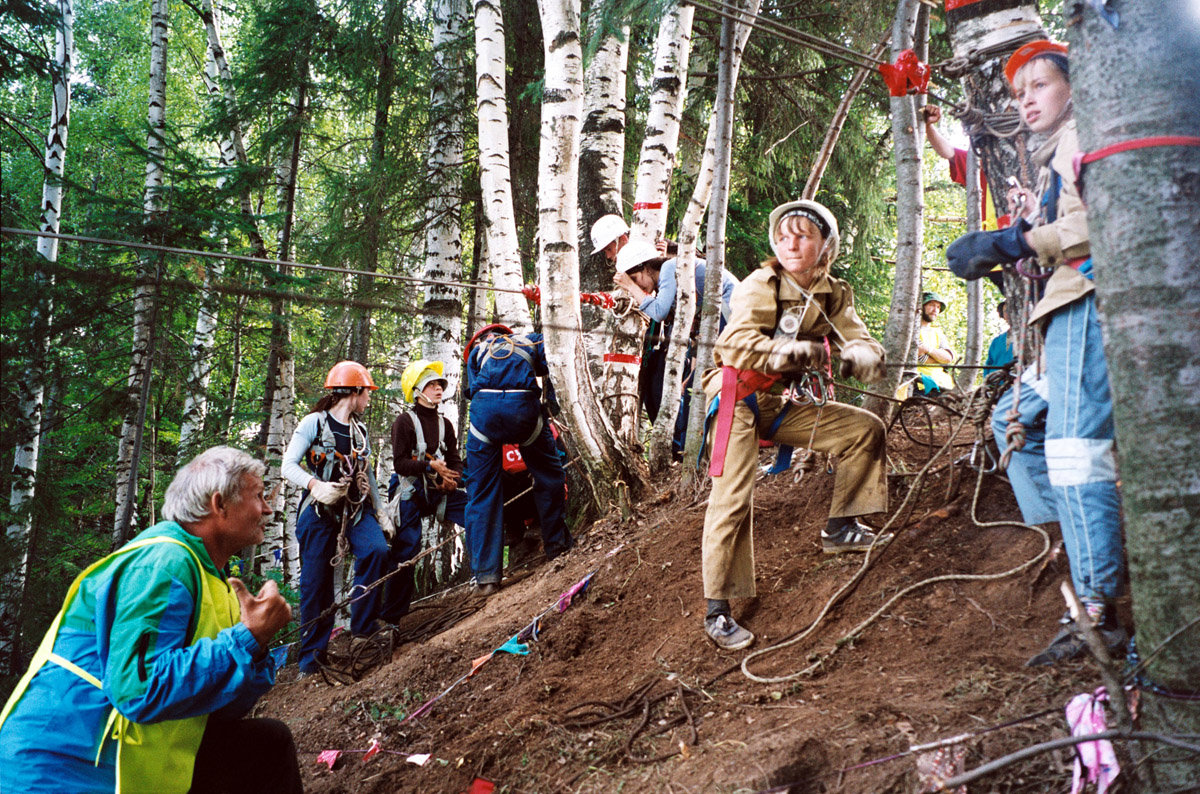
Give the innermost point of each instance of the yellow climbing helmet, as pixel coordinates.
(418, 375)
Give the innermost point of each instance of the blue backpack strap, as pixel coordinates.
(1050, 197)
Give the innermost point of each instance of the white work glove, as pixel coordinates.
(386, 524)
(860, 360)
(794, 355)
(329, 493)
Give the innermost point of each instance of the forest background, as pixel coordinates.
(343, 90)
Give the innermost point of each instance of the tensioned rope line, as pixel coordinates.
(255, 259)
(786, 32)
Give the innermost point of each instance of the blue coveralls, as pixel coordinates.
(317, 529)
(417, 500)
(506, 408)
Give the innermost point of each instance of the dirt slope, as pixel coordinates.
(944, 660)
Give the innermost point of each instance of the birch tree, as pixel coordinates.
(713, 177)
(668, 90)
(146, 293)
(910, 212)
(503, 254)
(602, 144)
(32, 385)
(607, 467)
(1130, 83)
(195, 405)
(672, 50)
(443, 230)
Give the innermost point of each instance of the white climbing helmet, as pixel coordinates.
(816, 212)
(607, 229)
(635, 253)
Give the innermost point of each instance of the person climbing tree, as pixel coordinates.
(506, 408)
(339, 510)
(958, 168)
(426, 476)
(1066, 470)
(609, 235)
(787, 317)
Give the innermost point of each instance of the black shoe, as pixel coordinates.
(1069, 643)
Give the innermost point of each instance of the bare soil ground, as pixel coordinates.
(945, 660)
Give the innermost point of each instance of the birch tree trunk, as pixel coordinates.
(1132, 83)
(443, 235)
(668, 90)
(495, 181)
(602, 145)
(973, 356)
(712, 180)
(910, 211)
(612, 472)
(195, 405)
(281, 421)
(982, 36)
(656, 163)
(146, 293)
(31, 387)
(216, 50)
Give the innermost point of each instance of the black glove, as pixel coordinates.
(973, 255)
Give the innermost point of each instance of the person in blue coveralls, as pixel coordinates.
(340, 507)
(143, 678)
(506, 408)
(427, 472)
(649, 277)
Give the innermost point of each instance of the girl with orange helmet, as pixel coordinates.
(340, 497)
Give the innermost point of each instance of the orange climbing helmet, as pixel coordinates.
(1027, 52)
(494, 328)
(349, 375)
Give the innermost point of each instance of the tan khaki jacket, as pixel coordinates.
(1066, 237)
(748, 339)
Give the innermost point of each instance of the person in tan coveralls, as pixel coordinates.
(792, 291)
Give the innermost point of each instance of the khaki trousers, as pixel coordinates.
(855, 436)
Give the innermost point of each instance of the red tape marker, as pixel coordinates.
(622, 358)
(647, 205)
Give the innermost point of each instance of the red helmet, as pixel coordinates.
(481, 333)
(1027, 52)
(349, 375)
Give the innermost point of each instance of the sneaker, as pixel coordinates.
(1069, 643)
(726, 633)
(855, 537)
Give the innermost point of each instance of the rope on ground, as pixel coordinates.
(642, 705)
(866, 563)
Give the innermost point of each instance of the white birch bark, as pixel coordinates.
(443, 235)
(672, 49)
(195, 404)
(972, 357)
(494, 174)
(602, 143)
(713, 175)
(900, 329)
(558, 263)
(32, 386)
(146, 293)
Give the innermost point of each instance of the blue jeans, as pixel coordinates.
(1066, 471)
(318, 544)
(407, 542)
(510, 419)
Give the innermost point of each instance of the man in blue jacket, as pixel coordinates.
(155, 656)
(506, 408)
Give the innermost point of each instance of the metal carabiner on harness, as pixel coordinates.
(811, 388)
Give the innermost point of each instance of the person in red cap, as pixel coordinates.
(1066, 471)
